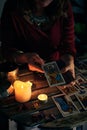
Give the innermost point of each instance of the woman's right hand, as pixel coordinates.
(33, 59)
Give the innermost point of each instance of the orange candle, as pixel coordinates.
(22, 90)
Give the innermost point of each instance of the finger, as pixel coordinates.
(38, 59)
(65, 69)
(34, 57)
(72, 83)
(34, 68)
(73, 73)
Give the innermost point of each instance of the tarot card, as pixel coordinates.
(81, 89)
(80, 78)
(76, 102)
(65, 105)
(68, 89)
(53, 74)
(82, 99)
(68, 77)
(81, 82)
(81, 66)
(85, 61)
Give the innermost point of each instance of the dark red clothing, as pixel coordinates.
(18, 33)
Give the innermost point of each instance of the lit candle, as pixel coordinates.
(43, 97)
(22, 90)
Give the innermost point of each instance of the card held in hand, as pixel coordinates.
(53, 74)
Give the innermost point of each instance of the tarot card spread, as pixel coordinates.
(83, 100)
(68, 89)
(81, 66)
(65, 105)
(77, 93)
(53, 74)
(80, 83)
(76, 102)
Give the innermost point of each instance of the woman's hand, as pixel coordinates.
(34, 61)
(69, 62)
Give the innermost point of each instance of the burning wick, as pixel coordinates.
(42, 98)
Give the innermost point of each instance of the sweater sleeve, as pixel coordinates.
(8, 35)
(68, 40)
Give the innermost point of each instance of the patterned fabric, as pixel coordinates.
(20, 34)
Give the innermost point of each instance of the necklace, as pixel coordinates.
(39, 20)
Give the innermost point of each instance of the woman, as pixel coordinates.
(38, 31)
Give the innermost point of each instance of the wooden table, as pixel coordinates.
(33, 112)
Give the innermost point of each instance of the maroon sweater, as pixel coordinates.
(17, 33)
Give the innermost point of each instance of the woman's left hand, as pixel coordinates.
(35, 62)
(69, 62)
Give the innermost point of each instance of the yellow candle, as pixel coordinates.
(42, 97)
(22, 91)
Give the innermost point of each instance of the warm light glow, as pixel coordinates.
(22, 90)
(10, 90)
(12, 75)
(43, 97)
